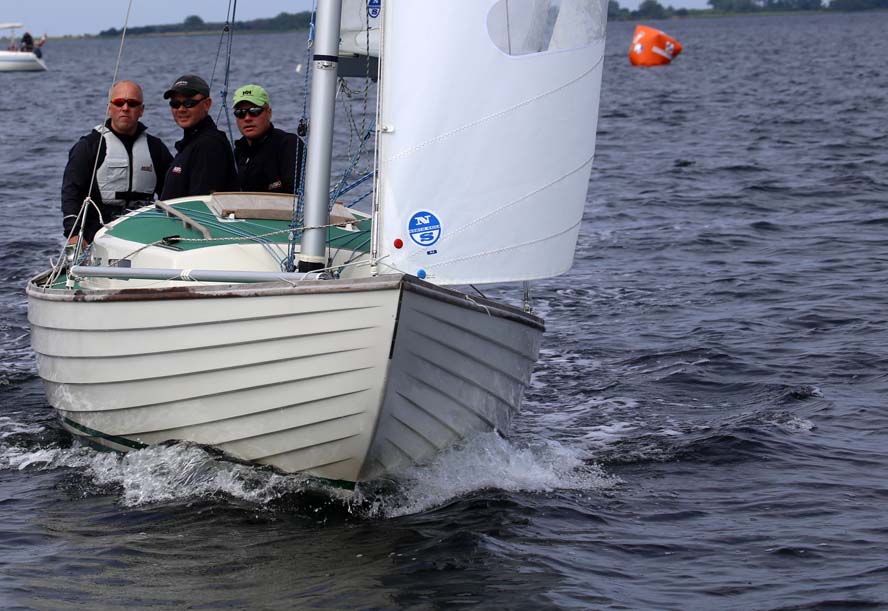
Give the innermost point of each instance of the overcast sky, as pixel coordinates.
(60, 17)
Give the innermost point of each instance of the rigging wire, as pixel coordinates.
(88, 200)
(477, 290)
(227, 28)
(364, 133)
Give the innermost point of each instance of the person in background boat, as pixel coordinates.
(204, 162)
(268, 159)
(27, 44)
(130, 168)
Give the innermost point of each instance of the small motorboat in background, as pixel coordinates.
(22, 55)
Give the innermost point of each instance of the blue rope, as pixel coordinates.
(341, 187)
(364, 196)
(357, 183)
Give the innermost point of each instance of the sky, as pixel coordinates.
(74, 17)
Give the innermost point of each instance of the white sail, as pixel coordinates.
(576, 19)
(360, 28)
(485, 148)
(520, 27)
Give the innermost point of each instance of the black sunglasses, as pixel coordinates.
(253, 111)
(190, 103)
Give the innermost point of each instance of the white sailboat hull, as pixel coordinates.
(20, 61)
(343, 380)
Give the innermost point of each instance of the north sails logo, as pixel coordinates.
(180, 83)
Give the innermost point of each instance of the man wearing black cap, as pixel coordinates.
(204, 162)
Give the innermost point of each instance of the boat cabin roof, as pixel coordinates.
(230, 221)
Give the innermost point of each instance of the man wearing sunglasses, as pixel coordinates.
(204, 162)
(268, 159)
(130, 168)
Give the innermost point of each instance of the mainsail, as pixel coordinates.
(487, 119)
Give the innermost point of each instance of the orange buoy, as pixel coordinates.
(652, 47)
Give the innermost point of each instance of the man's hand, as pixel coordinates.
(70, 247)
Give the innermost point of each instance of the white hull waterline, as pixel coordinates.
(343, 380)
(20, 61)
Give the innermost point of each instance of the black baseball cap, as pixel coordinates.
(188, 84)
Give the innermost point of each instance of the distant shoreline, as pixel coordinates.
(666, 14)
(165, 34)
(250, 27)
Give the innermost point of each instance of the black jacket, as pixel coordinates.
(78, 174)
(270, 165)
(204, 163)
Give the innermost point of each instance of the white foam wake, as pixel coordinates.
(184, 472)
(489, 461)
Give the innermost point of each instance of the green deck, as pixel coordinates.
(153, 225)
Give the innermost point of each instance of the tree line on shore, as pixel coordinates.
(652, 9)
(648, 9)
(282, 23)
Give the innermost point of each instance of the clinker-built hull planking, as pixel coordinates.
(342, 379)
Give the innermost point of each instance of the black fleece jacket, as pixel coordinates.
(269, 164)
(203, 164)
(78, 174)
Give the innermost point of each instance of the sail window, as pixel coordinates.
(523, 27)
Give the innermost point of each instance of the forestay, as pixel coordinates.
(487, 119)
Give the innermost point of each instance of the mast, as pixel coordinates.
(313, 254)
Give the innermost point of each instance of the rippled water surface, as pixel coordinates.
(706, 428)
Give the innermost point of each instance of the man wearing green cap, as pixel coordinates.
(268, 159)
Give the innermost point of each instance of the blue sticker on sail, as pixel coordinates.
(424, 228)
(373, 7)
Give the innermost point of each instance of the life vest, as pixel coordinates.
(119, 180)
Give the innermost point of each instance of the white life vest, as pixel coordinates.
(116, 175)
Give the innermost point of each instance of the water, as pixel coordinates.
(706, 428)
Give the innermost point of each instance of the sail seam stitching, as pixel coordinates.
(495, 115)
(505, 248)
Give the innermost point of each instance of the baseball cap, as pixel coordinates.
(188, 84)
(251, 93)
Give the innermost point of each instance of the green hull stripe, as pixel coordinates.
(121, 441)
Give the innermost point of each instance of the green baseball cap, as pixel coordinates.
(251, 93)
